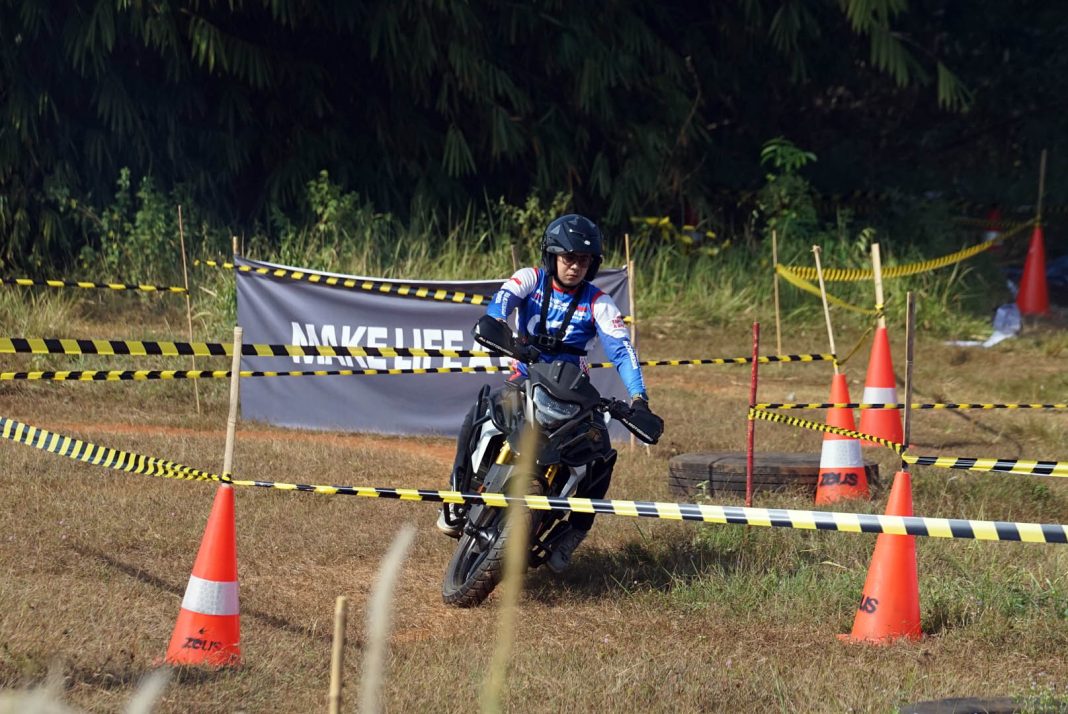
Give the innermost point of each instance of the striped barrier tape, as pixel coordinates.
(797, 281)
(373, 286)
(765, 415)
(144, 375)
(147, 375)
(28, 282)
(738, 515)
(370, 286)
(1023, 467)
(79, 450)
(145, 348)
(891, 405)
(899, 271)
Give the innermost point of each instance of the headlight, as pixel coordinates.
(550, 411)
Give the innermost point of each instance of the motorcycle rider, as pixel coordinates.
(559, 312)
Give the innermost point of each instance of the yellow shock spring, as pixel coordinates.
(505, 455)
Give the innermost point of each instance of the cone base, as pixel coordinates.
(879, 641)
(206, 640)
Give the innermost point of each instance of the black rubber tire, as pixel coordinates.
(470, 577)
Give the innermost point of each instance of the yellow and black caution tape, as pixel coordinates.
(792, 276)
(146, 348)
(29, 282)
(899, 271)
(97, 455)
(423, 292)
(763, 359)
(765, 415)
(892, 405)
(1025, 467)
(145, 375)
(701, 513)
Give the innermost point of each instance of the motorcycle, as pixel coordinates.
(569, 418)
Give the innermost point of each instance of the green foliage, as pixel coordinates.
(420, 106)
(136, 237)
(787, 201)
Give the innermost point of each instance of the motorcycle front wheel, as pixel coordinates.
(477, 564)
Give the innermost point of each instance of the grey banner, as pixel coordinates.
(282, 311)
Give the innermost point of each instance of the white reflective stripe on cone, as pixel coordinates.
(841, 454)
(880, 395)
(210, 597)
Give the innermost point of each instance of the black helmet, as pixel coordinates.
(572, 234)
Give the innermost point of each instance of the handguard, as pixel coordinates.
(640, 421)
(496, 335)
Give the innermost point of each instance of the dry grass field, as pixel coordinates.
(652, 616)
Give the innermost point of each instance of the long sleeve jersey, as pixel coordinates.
(596, 315)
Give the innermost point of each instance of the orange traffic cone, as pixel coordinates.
(1033, 297)
(842, 473)
(208, 631)
(890, 603)
(880, 388)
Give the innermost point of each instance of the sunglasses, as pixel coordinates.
(580, 259)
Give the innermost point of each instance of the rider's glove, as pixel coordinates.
(648, 423)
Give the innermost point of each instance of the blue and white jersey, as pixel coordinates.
(596, 315)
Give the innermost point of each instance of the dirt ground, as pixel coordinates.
(94, 562)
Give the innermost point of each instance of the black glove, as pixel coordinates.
(526, 352)
(647, 426)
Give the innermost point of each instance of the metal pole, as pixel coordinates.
(910, 342)
(750, 434)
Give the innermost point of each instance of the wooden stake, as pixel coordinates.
(630, 307)
(751, 427)
(337, 655)
(632, 280)
(235, 389)
(775, 286)
(910, 343)
(826, 310)
(877, 270)
(188, 305)
(1041, 185)
(515, 257)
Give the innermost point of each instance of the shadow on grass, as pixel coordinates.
(139, 574)
(597, 573)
